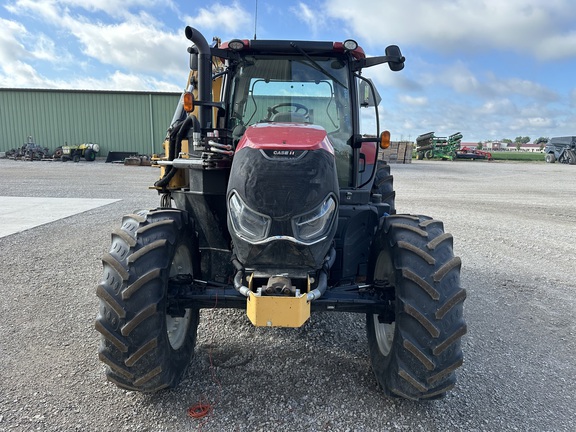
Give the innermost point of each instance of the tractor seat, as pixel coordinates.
(289, 117)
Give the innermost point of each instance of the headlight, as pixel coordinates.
(246, 222)
(315, 224)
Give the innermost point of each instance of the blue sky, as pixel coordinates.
(491, 69)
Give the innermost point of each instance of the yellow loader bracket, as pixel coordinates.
(277, 311)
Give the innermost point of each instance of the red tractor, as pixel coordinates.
(273, 200)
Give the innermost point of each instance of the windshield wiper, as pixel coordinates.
(316, 65)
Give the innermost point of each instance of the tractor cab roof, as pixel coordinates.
(293, 47)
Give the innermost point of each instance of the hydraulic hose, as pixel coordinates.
(323, 277)
(244, 290)
(312, 295)
(174, 147)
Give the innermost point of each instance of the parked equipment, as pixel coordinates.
(88, 151)
(469, 153)
(561, 149)
(28, 151)
(274, 202)
(429, 146)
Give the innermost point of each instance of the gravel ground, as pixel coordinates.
(514, 229)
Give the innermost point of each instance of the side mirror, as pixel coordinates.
(193, 58)
(368, 94)
(394, 51)
(393, 57)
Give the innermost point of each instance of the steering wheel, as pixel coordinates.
(298, 107)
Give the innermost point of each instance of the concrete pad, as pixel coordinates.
(18, 214)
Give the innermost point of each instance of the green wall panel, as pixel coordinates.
(118, 121)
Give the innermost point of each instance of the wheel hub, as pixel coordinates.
(384, 333)
(177, 326)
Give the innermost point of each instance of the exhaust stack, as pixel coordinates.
(204, 76)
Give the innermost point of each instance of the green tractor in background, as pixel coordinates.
(87, 151)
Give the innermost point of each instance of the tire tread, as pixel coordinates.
(134, 346)
(417, 261)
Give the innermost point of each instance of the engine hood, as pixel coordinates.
(282, 185)
(284, 136)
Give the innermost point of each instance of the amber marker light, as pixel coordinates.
(188, 102)
(385, 139)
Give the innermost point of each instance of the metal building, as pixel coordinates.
(116, 120)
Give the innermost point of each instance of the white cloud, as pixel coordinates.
(523, 124)
(455, 75)
(544, 30)
(45, 10)
(233, 19)
(127, 37)
(484, 85)
(557, 46)
(53, 9)
(11, 48)
(20, 74)
(411, 100)
(314, 19)
(44, 48)
(502, 106)
(136, 45)
(16, 43)
(20, 51)
(121, 81)
(462, 80)
(521, 87)
(384, 78)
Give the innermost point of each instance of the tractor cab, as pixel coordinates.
(289, 88)
(306, 83)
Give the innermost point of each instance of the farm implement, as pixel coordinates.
(429, 146)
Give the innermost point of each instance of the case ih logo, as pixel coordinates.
(284, 154)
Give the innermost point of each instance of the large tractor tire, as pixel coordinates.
(550, 158)
(567, 157)
(416, 349)
(58, 153)
(384, 185)
(144, 347)
(90, 155)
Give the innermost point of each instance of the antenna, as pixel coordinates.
(255, 19)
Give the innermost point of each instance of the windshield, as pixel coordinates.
(296, 89)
